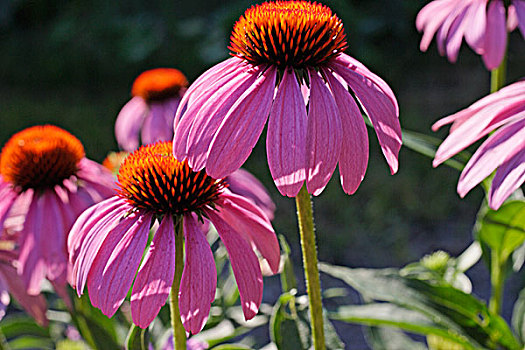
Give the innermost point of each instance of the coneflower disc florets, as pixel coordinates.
(40, 157)
(159, 84)
(152, 179)
(288, 33)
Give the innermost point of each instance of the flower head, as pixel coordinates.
(45, 183)
(107, 241)
(483, 23)
(289, 65)
(149, 114)
(502, 114)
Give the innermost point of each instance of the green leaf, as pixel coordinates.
(388, 338)
(137, 339)
(20, 324)
(518, 316)
(386, 314)
(503, 230)
(288, 281)
(231, 347)
(30, 342)
(460, 313)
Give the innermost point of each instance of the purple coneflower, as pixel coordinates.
(483, 23)
(107, 241)
(288, 66)
(503, 113)
(45, 183)
(156, 96)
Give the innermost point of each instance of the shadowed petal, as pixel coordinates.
(476, 22)
(199, 278)
(495, 35)
(155, 277)
(8, 197)
(241, 127)
(251, 223)
(286, 139)
(244, 264)
(158, 125)
(128, 123)
(519, 7)
(455, 35)
(353, 158)
(323, 135)
(509, 177)
(430, 18)
(117, 261)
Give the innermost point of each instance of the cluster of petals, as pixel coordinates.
(311, 128)
(502, 115)
(107, 242)
(483, 23)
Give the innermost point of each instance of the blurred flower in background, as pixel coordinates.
(296, 46)
(502, 114)
(45, 183)
(483, 23)
(148, 116)
(107, 241)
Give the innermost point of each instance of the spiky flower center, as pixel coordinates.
(159, 84)
(152, 179)
(40, 157)
(288, 33)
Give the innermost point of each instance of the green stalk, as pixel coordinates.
(497, 281)
(498, 75)
(179, 333)
(311, 271)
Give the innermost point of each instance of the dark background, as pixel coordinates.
(72, 63)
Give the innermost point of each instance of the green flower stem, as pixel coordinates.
(311, 271)
(179, 333)
(498, 75)
(497, 280)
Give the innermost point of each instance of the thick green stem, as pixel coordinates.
(497, 282)
(498, 75)
(311, 271)
(179, 333)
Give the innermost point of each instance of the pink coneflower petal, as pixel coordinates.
(199, 278)
(8, 197)
(155, 277)
(158, 125)
(519, 7)
(129, 121)
(509, 177)
(353, 158)
(241, 127)
(379, 109)
(455, 35)
(217, 105)
(54, 231)
(251, 223)
(442, 34)
(430, 18)
(323, 136)
(117, 260)
(495, 35)
(476, 22)
(244, 264)
(286, 139)
(491, 154)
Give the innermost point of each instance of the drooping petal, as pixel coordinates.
(286, 139)
(158, 125)
(519, 6)
(199, 278)
(244, 264)
(491, 154)
(243, 183)
(251, 223)
(476, 21)
(98, 180)
(241, 127)
(353, 158)
(495, 35)
(509, 177)
(155, 277)
(455, 35)
(430, 19)
(323, 135)
(379, 108)
(128, 123)
(8, 196)
(117, 261)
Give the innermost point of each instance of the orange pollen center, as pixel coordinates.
(40, 157)
(288, 33)
(159, 84)
(152, 179)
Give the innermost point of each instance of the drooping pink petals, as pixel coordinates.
(286, 139)
(244, 264)
(128, 124)
(199, 278)
(495, 35)
(241, 127)
(158, 124)
(509, 177)
(323, 136)
(155, 277)
(8, 196)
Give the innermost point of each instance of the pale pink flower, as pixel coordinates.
(289, 66)
(107, 241)
(502, 113)
(149, 115)
(45, 183)
(483, 24)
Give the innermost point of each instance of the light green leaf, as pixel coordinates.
(388, 338)
(137, 339)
